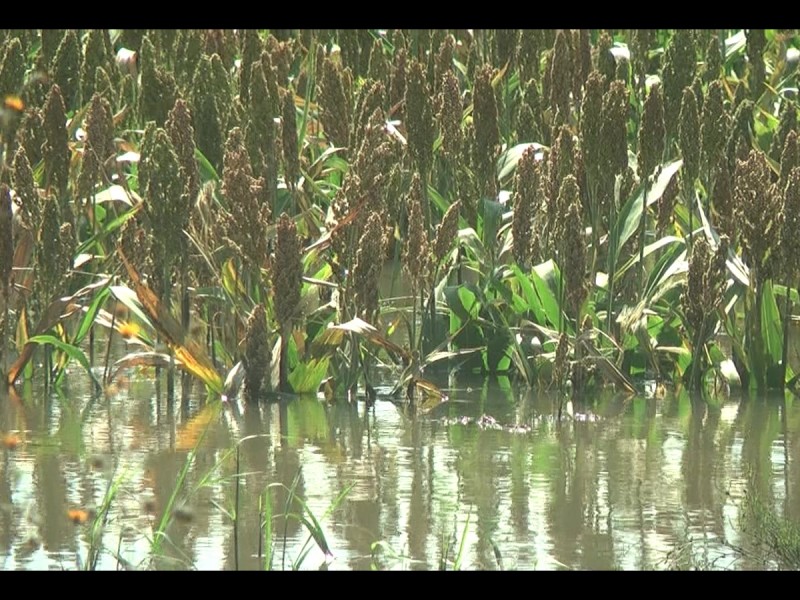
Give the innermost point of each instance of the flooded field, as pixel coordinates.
(488, 480)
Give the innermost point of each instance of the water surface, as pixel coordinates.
(618, 483)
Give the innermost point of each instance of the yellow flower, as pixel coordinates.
(129, 330)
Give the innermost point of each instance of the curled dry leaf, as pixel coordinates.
(127, 60)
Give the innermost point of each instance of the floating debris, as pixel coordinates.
(487, 422)
(149, 505)
(11, 441)
(79, 516)
(183, 514)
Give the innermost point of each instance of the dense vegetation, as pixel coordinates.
(566, 208)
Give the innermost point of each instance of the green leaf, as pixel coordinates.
(532, 300)
(505, 361)
(507, 163)
(307, 377)
(463, 301)
(207, 170)
(492, 216)
(547, 298)
(469, 238)
(91, 313)
(108, 228)
(671, 262)
(772, 332)
(665, 271)
(438, 199)
(73, 352)
(631, 213)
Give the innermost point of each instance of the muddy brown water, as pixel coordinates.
(490, 478)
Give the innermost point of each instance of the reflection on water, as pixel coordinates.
(619, 483)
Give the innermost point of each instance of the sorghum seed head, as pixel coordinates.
(487, 133)
(257, 353)
(207, 113)
(251, 49)
(713, 60)
(614, 129)
(289, 137)
(30, 134)
(591, 122)
(740, 133)
(561, 77)
(714, 125)
(561, 362)
(99, 145)
(6, 240)
(689, 137)
(604, 61)
(96, 55)
(526, 187)
(67, 69)
(287, 271)
(722, 197)
(666, 205)
(450, 115)
(581, 61)
(12, 67)
(416, 250)
(651, 133)
(561, 162)
(249, 210)
(757, 71)
(165, 204)
(158, 89)
(787, 123)
(335, 109)
(419, 118)
(371, 97)
(378, 64)
(25, 187)
(446, 232)
(55, 150)
(572, 248)
(679, 68)
(181, 132)
(367, 268)
(790, 234)
(755, 206)
(789, 157)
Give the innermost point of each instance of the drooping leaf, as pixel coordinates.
(130, 300)
(116, 193)
(507, 162)
(447, 355)
(73, 352)
(59, 309)
(427, 395)
(463, 301)
(190, 352)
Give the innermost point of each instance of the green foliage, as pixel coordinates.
(448, 117)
